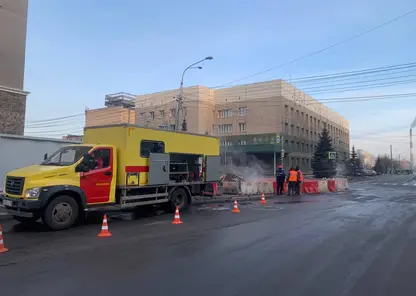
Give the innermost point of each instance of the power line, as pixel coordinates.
(353, 73)
(321, 50)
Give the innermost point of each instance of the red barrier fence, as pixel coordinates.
(310, 187)
(332, 186)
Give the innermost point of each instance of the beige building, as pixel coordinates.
(109, 115)
(119, 109)
(250, 119)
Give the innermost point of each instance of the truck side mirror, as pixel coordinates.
(45, 156)
(84, 166)
(81, 168)
(88, 161)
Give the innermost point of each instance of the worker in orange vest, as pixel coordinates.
(292, 180)
(299, 176)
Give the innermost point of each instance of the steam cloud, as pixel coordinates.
(413, 125)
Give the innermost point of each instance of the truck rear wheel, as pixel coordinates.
(179, 198)
(61, 213)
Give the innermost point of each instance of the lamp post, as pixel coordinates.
(179, 99)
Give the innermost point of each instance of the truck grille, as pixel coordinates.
(14, 185)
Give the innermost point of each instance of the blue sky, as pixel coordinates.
(78, 51)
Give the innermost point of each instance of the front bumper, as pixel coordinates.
(20, 207)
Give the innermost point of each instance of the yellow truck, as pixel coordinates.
(117, 166)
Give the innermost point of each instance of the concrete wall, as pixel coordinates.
(17, 152)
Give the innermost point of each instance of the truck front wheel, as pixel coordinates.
(61, 213)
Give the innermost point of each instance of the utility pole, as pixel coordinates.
(225, 151)
(179, 99)
(391, 158)
(282, 151)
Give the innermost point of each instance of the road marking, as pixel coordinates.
(405, 184)
(394, 184)
(156, 223)
(385, 183)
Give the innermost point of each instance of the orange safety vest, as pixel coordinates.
(293, 177)
(300, 176)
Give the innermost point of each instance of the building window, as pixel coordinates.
(243, 127)
(172, 127)
(242, 142)
(225, 113)
(172, 112)
(292, 129)
(225, 128)
(152, 115)
(226, 143)
(161, 113)
(147, 147)
(286, 109)
(242, 111)
(286, 128)
(142, 116)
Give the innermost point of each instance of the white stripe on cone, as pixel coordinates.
(104, 228)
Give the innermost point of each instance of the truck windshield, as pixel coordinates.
(66, 155)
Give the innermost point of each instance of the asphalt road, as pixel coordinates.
(358, 243)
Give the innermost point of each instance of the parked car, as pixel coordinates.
(369, 173)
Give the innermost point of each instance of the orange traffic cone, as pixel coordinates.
(177, 219)
(263, 199)
(2, 248)
(236, 210)
(104, 228)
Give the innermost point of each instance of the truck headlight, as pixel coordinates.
(32, 193)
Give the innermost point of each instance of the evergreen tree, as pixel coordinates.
(355, 166)
(322, 166)
(379, 167)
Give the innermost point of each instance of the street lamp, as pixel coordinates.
(179, 100)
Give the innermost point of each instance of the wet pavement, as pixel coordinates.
(361, 242)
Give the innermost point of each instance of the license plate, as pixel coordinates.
(7, 203)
